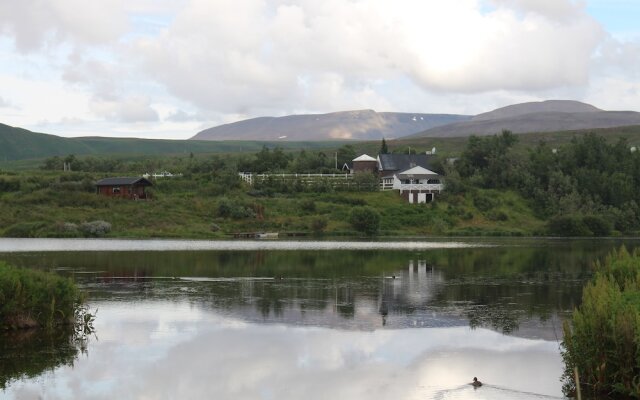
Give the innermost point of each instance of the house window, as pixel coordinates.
(116, 190)
(434, 181)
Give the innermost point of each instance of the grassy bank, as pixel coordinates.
(30, 299)
(602, 342)
(54, 204)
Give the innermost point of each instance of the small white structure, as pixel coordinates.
(418, 184)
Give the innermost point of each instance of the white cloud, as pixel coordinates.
(143, 60)
(128, 110)
(253, 56)
(35, 23)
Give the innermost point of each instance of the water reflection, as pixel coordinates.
(180, 351)
(30, 353)
(287, 324)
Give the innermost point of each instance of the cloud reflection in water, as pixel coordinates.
(164, 350)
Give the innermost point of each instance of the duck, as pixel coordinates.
(476, 383)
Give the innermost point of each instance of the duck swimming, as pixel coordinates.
(476, 383)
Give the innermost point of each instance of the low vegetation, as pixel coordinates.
(584, 188)
(602, 342)
(31, 299)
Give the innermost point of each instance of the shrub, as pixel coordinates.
(31, 298)
(228, 208)
(603, 339)
(483, 202)
(25, 230)
(570, 225)
(95, 228)
(597, 225)
(308, 206)
(365, 219)
(318, 225)
(9, 185)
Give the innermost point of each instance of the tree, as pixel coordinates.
(346, 154)
(383, 147)
(365, 219)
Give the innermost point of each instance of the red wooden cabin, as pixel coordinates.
(126, 187)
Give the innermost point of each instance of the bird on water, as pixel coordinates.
(476, 383)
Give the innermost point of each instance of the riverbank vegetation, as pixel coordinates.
(493, 187)
(37, 299)
(602, 342)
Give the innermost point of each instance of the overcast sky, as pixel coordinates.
(169, 68)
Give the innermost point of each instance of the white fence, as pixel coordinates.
(304, 178)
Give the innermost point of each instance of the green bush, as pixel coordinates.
(318, 225)
(25, 230)
(365, 219)
(603, 339)
(597, 225)
(30, 298)
(308, 206)
(570, 225)
(483, 202)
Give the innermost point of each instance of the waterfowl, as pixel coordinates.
(476, 383)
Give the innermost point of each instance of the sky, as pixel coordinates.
(170, 68)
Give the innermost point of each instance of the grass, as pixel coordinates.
(30, 298)
(602, 342)
(45, 204)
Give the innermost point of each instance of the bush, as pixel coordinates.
(603, 339)
(34, 298)
(484, 202)
(597, 225)
(9, 185)
(95, 228)
(365, 219)
(570, 225)
(228, 208)
(308, 206)
(318, 225)
(25, 230)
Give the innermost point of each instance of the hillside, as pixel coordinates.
(21, 144)
(549, 116)
(355, 125)
(549, 106)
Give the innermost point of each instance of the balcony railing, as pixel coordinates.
(415, 187)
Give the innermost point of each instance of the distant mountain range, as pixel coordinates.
(546, 116)
(327, 131)
(354, 125)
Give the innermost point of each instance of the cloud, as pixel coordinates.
(4, 103)
(129, 110)
(183, 116)
(35, 23)
(250, 55)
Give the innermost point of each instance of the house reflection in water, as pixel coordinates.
(410, 290)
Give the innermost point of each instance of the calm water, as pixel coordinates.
(287, 320)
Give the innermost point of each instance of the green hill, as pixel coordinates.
(21, 144)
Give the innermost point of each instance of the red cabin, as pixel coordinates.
(126, 188)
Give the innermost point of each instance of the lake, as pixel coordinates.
(313, 320)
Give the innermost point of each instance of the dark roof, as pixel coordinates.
(123, 181)
(403, 162)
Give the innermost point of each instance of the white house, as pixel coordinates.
(418, 184)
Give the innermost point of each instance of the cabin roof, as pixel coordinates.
(124, 181)
(402, 162)
(364, 157)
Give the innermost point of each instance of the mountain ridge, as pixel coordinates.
(341, 125)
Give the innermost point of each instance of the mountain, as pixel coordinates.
(356, 125)
(546, 116)
(22, 144)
